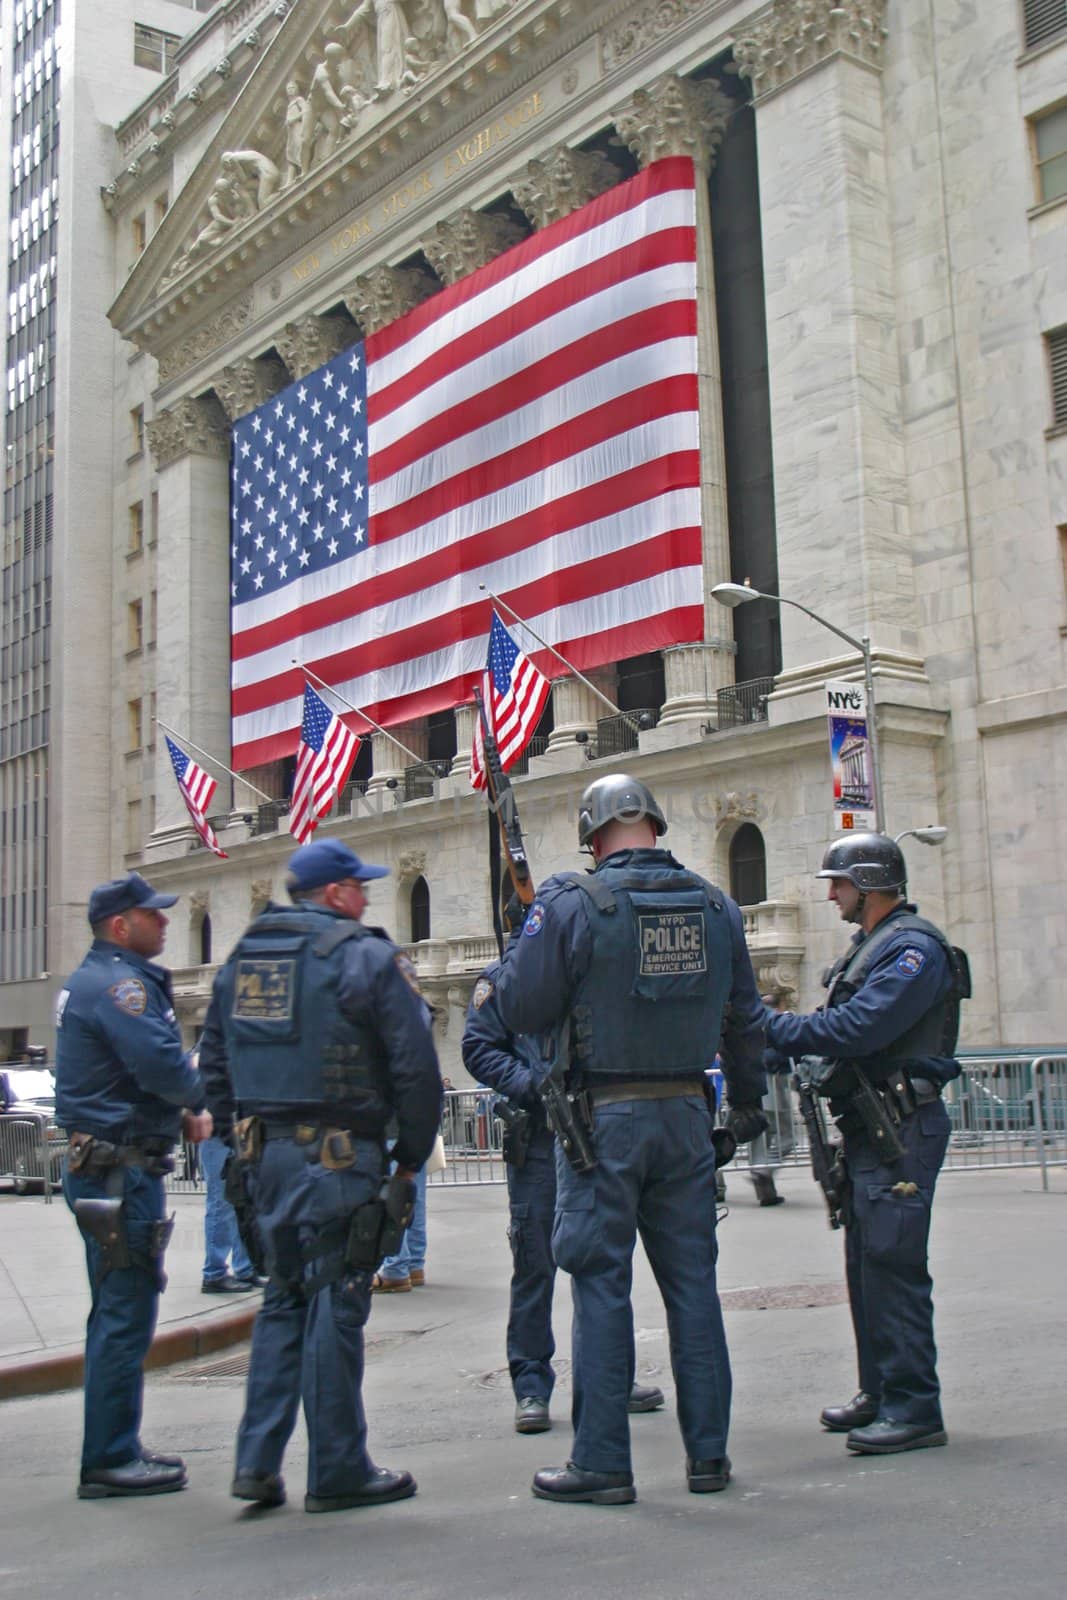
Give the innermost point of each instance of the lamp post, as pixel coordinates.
(733, 595)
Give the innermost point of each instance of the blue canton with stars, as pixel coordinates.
(298, 501)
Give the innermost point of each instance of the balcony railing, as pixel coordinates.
(268, 815)
(536, 747)
(740, 703)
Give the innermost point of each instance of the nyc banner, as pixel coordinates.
(850, 757)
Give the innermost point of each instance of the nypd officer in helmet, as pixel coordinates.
(316, 1037)
(632, 968)
(892, 1015)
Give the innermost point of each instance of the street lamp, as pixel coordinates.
(732, 595)
(932, 835)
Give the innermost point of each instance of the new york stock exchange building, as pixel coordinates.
(852, 393)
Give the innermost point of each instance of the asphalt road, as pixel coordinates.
(984, 1517)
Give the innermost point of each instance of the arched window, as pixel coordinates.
(205, 940)
(748, 866)
(420, 910)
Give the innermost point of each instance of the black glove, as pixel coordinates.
(515, 914)
(816, 1073)
(725, 1146)
(746, 1122)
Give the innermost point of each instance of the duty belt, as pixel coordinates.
(86, 1152)
(609, 1094)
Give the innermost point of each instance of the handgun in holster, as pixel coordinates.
(105, 1221)
(517, 1126)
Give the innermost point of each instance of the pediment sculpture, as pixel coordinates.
(366, 56)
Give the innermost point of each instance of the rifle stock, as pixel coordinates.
(826, 1167)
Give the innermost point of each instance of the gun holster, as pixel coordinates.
(517, 1126)
(105, 1221)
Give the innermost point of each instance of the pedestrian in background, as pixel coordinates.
(767, 1152)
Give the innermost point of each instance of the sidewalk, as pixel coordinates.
(44, 1296)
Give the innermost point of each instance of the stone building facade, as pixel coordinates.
(882, 285)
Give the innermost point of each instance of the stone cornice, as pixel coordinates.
(676, 117)
(190, 427)
(645, 26)
(792, 36)
(211, 335)
(248, 383)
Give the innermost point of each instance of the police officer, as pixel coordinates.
(316, 1037)
(635, 964)
(122, 1078)
(513, 1066)
(891, 1014)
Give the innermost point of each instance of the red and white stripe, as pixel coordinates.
(320, 777)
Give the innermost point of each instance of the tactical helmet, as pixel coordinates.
(617, 798)
(871, 861)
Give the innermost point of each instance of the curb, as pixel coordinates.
(180, 1341)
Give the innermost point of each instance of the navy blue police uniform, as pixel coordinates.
(512, 1065)
(634, 966)
(893, 1019)
(317, 1030)
(122, 1079)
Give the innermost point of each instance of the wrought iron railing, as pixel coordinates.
(740, 703)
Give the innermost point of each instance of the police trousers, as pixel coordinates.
(655, 1174)
(532, 1205)
(307, 1344)
(889, 1285)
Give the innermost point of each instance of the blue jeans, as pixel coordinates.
(889, 1285)
(222, 1242)
(307, 1343)
(532, 1203)
(655, 1173)
(121, 1321)
(411, 1257)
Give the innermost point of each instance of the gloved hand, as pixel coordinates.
(515, 914)
(725, 1146)
(746, 1122)
(815, 1072)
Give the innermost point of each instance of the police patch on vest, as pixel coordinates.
(670, 943)
(130, 995)
(482, 990)
(408, 972)
(264, 988)
(535, 920)
(910, 961)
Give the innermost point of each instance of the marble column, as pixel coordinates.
(552, 188)
(679, 117)
(575, 709)
(463, 243)
(466, 716)
(380, 296)
(388, 758)
(190, 443)
(834, 363)
(309, 342)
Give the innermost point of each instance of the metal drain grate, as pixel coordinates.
(784, 1297)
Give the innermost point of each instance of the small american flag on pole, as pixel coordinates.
(197, 787)
(324, 759)
(514, 693)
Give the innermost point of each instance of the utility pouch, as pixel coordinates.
(79, 1151)
(248, 1137)
(105, 1221)
(362, 1248)
(338, 1151)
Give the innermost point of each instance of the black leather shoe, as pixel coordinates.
(227, 1285)
(574, 1483)
(707, 1477)
(135, 1477)
(531, 1415)
(156, 1459)
(265, 1490)
(861, 1410)
(886, 1437)
(381, 1487)
(644, 1399)
(255, 1280)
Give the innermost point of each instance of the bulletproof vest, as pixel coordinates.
(287, 1040)
(936, 1031)
(651, 1004)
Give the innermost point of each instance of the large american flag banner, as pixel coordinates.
(533, 427)
(514, 695)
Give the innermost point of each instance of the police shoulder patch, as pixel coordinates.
(535, 920)
(130, 996)
(482, 990)
(910, 961)
(407, 972)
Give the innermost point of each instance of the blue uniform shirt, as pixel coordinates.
(907, 978)
(121, 1071)
(509, 1063)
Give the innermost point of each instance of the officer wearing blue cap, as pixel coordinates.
(316, 1040)
(122, 1079)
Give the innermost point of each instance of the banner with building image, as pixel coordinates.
(850, 757)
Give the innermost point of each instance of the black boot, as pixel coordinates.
(861, 1410)
(595, 1488)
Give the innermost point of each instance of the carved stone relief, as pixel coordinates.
(676, 117)
(643, 27)
(259, 894)
(206, 339)
(735, 807)
(411, 864)
(199, 900)
(189, 427)
(305, 344)
(561, 183)
(462, 243)
(380, 296)
(248, 383)
(792, 36)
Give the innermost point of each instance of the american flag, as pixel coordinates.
(533, 427)
(324, 759)
(197, 787)
(514, 695)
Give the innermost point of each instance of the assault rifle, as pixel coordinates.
(827, 1164)
(566, 1113)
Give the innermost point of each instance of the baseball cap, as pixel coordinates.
(126, 894)
(327, 861)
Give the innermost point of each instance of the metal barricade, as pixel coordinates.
(31, 1152)
(471, 1137)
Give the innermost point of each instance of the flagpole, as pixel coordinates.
(419, 761)
(612, 707)
(213, 759)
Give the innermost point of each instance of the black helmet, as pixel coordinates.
(868, 860)
(617, 798)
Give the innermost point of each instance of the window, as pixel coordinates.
(134, 625)
(133, 827)
(137, 429)
(162, 206)
(1057, 357)
(205, 939)
(1043, 19)
(153, 617)
(139, 227)
(420, 910)
(748, 866)
(1050, 153)
(154, 49)
(133, 724)
(136, 527)
(153, 530)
